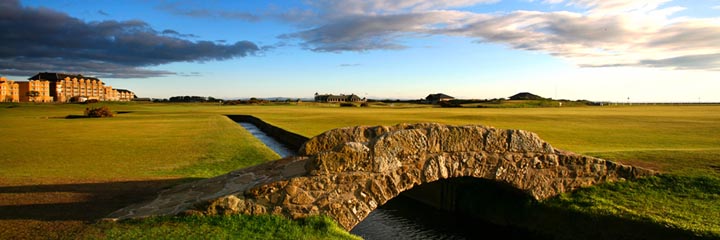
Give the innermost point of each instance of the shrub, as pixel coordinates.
(92, 101)
(347, 104)
(99, 112)
(364, 104)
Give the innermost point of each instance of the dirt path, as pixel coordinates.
(64, 209)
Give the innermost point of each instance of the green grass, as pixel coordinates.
(196, 140)
(169, 141)
(681, 202)
(593, 130)
(222, 227)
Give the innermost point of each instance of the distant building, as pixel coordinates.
(526, 96)
(35, 91)
(125, 95)
(338, 98)
(61, 87)
(438, 97)
(9, 90)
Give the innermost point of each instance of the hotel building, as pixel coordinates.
(9, 90)
(125, 95)
(60, 87)
(35, 91)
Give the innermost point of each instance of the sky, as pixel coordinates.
(600, 50)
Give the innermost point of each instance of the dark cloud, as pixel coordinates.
(41, 39)
(170, 32)
(21, 66)
(176, 33)
(101, 12)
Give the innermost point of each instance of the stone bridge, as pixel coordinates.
(346, 173)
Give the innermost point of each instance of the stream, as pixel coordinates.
(269, 141)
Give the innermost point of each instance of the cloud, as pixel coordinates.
(176, 33)
(350, 65)
(616, 6)
(189, 74)
(606, 40)
(41, 39)
(604, 33)
(710, 62)
(177, 9)
(20, 66)
(101, 12)
(373, 32)
(335, 9)
(705, 61)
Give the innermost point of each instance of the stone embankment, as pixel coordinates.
(291, 140)
(346, 173)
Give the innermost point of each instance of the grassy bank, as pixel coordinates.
(161, 144)
(222, 227)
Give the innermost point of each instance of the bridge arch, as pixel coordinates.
(464, 207)
(346, 173)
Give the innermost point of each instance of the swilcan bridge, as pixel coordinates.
(348, 172)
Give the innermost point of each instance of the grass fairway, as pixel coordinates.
(59, 174)
(676, 139)
(51, 163)
(171, 141)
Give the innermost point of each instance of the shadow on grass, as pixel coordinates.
(73, 116)
(79, 202)
(76, 116)
(715, 167)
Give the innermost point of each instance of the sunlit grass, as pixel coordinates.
(39, 143)
(582, 129)
(196, 140)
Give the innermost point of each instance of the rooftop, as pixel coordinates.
(58, 76)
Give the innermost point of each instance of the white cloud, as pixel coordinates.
(618, 6)
(377, 7)
(607, 33)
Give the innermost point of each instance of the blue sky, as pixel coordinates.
(605, 50)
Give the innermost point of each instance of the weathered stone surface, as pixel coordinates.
(348, 172)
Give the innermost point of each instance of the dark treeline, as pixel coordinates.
(189, 99)
(262, 101)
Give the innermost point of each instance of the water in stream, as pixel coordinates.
(273, 144)
(404, 218)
